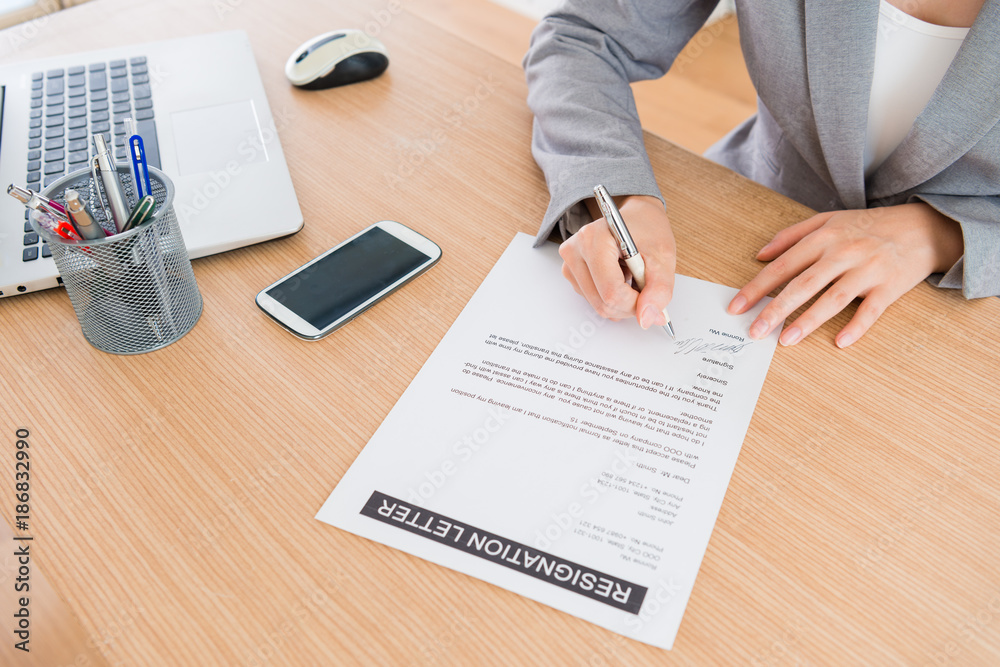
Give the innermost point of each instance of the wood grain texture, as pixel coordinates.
(54, 634)
(705, 94)
(859, 527)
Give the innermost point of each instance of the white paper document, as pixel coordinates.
(573, 460)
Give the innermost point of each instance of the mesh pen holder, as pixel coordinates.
(133, 292)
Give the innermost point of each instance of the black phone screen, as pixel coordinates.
(341, 281)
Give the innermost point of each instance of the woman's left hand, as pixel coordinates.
(878, 254)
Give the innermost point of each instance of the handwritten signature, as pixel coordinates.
(689, 345)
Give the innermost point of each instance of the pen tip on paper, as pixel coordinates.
(669, 328)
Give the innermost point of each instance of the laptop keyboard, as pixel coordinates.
(68, 107)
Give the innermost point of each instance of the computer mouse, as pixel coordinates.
(336, 58)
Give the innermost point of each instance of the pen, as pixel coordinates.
(50, 214)
(142, 212)
(56, 225)
(633, 260)
(81, 218)
(36, 201)
(104, 163)
(140, 171)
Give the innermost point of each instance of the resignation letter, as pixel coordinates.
(576, 461)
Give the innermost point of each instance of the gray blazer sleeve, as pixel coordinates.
(977, 274)
(811, 62)
(586, 128)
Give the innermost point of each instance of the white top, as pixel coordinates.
(911, 58)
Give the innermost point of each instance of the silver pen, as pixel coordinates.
(633, 260)
(78, 213)
(104, 162)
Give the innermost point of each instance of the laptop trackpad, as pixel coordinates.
(210, 137)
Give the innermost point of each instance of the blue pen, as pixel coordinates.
(140, 172)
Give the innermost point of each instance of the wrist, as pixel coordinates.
(639, 202)
(945, 237)
(632, 203)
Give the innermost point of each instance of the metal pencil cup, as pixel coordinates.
(133, 292)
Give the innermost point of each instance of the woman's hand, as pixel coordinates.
(878, 254)
(591, 263)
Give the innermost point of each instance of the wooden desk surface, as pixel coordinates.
(177, 526)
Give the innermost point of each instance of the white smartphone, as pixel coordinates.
(333, 289)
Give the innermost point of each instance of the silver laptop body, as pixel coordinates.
(215, 137)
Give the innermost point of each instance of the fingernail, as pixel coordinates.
(764, 249)
(844, 339)
(646, 317)
(758, 329)
(791, 336)
(737, 305)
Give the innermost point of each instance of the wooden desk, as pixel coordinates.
(177, 523)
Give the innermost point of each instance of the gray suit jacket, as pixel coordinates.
(811, 62)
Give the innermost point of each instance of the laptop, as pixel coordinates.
(204, 120)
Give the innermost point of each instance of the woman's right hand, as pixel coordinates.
(591, 263)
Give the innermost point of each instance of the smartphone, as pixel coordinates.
(331, 290)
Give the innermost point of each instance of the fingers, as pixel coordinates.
(878, 256)
(787, 266)
(837, 297)
(855, 284)
(832, 302)
(655, 295)
(828, 305)
(803, 287)
(590, 263)
(789, 236)
(870, 310)
(651, 230)
(658, 292)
